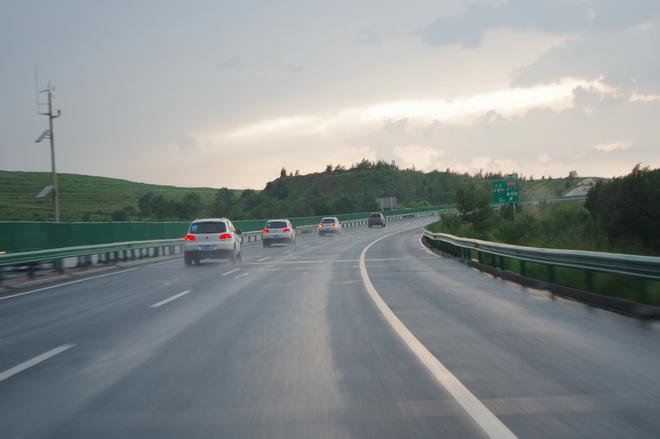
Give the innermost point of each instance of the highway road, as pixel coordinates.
(365, 336)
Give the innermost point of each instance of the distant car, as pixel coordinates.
(212, 238)
(329, 225)
(376, 219)
(278, 231)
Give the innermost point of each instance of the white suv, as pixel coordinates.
(278, 230)
(212, 238)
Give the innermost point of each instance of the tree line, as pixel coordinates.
(337, 189)
(620, 215)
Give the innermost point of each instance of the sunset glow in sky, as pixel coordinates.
(226, 93)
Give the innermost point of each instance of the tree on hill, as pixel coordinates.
(473, 202)
(628, 207)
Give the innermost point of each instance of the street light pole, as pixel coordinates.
(51, 136)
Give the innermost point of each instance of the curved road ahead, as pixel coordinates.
(293, 345)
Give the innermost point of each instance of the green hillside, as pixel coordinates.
(358, 186)
(83, 197)
(337, 190)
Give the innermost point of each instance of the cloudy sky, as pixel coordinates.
(212, 93)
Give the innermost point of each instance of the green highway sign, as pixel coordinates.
(505, 191)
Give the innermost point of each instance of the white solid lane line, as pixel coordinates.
(67, 283)
(169, 299)
(263, 259)
(36, 360)
(488, 422)
(230, 272)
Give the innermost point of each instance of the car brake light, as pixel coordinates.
(266, 231)
(334, 225)
(225, 236)
(286, 229)
(189, 238)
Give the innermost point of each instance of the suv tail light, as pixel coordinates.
(286, 229)
(334, 224)
(189, 238)
(225, 236)
(266, 231)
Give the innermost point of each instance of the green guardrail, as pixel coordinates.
(124, 251)
(17, 236)
(625, 276)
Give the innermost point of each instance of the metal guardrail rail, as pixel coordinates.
(644, 267)
(127, 251)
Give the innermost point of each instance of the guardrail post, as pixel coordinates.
(589, 280)
(480, 256)
(552, 274)
(59, 265)
(31, 270)
(523, 267)
(643, 291)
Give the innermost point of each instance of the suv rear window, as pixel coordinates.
(276, 225)
(208, 227)
(374, 215)
(328, 220)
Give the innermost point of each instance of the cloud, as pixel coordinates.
(422, 157)
(615, 145)
(644, 98)
(293, 68)
(188, 145)
(544, 157)
(232, 64)
(464, 110)
(621, 58)
(540, 141)
(370, 36)
(556, 16)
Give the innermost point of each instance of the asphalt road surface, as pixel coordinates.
(294, 343)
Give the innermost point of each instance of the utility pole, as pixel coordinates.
(50, 134)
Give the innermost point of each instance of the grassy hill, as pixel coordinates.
(364, 182)
(337, 190)
(81, 196)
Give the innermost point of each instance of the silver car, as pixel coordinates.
(329, 225)
(278, 231)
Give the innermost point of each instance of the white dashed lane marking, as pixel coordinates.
(169, 299)
(230, 272)
(33, 361)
